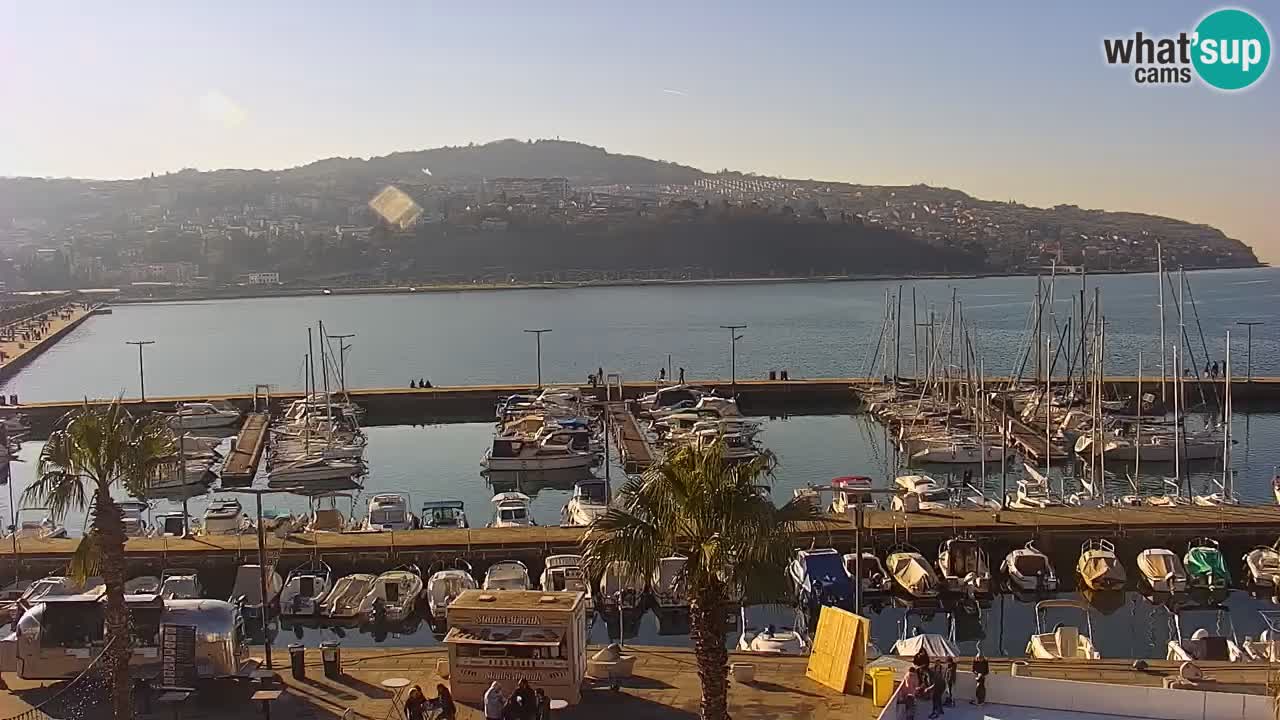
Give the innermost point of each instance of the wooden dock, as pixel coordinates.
(242, 464)
(637, 453)
(1057, 531)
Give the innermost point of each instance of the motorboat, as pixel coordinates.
(142, 585)
(1275, 484)
(225, 516)
(668, 585)
(305, 590)
(518, 452)
(771, 640)
(59, 586)
(1262, 567)
(135, 520)
(958, 451)
(511, 509)
(389, 512)
(43, 529)
(204, 415)
(1204, 645)
(1029, 569)
(920, 492)
(912, 639)
(734, 447)
(1033, 492)
(848, 492)
(963, 566)
(314, 470)
(912, 574)
(439, 514)
(506, 575)
(590, 501)
(1267, 647)
(171, 524)
(621, 587)
(1098, 566)
(180, 584)
(325, 516)
(444, 586)
(394, 595)
(247, 591)
(718, 406)
(869, 571)
(564, 573)
(1063, 642)
(184, 474)
(1162, 571)
(1206, 567)
(348, 594)
(820, 579)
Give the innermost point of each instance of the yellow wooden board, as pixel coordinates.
(839, 656)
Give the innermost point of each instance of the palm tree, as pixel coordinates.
(738, 543)
(97, 448)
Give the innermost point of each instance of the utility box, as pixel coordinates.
(514, 634)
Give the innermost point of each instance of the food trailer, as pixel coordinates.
(517, 634)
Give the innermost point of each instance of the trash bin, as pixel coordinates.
(298, 661)
(331, 654)
(882, 685)
(784, 375)
(773, 374)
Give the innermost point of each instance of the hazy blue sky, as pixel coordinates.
(1003, 100)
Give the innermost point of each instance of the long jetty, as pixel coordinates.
(1058, 531)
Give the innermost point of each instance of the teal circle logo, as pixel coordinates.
(1232, 49)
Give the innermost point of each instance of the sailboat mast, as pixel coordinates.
(1177, 424)
(1137, 442)
(1160, 304)
(1227, 483)
(915, 336)
(324, 373)
(897, 337)
(1048, 403)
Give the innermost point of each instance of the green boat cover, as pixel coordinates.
(1207, 561)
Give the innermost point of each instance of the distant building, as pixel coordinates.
(546, 188)
(262, 278)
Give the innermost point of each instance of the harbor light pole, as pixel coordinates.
(538, 334)
(142, 377)
(1249, 358)
(342, 358)
(733, 355)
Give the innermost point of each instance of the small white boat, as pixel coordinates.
(848, 492)
(869, 571)
(394, 595)
(247, 591)
(225, 516)
(911, 641)
(58, 586)
(444, 514)
(590, 500)
(966, 451)
(1275, 483)
(1162, 570)
(1029, 569)
(518, 452)
(919, 492)
(507, 575)
(1262, 567)
(444, 586)
(1063, 642)
(734, 447)
(668, 586)
(963, 566)
(1098, 566)
(771, 640)
(135, 520)
(180, 584)
(718, 406)
(1204, 646)
(305, 590)
(620, 586)
(389, 512)
(201, 415)
(348, 594)
(172, 524)
(511, 509)
(1033, 492)
(325, 516)
(563, 573)
(912, 574)
(314, 470)
(42, 529)
(142, 585)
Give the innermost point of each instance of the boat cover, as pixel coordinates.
(1099, 569)
(913, 574)
(932, 643)
(1265, 561)
(1160, 565)
(1206, 561)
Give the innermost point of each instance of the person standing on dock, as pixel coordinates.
(681, 376)
(662, 374)
(981, 669)
(493, 702)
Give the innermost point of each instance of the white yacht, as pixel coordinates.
(564, 573)
(312, 470)
(1029, 569)
(956, 451)
(438, 514)
(668, 585)
(225, 516)
(394, 595)
(735, 447)
(552, 452)
(444, 586)
(305, 590)
(1064, 642)
(204, 415)
(345, 600)
(511, 509)
(506, 575)
(718, 406)
(388, 512)
(590, 500)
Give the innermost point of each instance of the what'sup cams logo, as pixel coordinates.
(1228, 50)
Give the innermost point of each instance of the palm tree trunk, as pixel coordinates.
(707, 628)
(108, 523)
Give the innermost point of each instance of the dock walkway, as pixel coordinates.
(242, 464)
(637, 453)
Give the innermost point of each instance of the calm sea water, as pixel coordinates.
(810, 329)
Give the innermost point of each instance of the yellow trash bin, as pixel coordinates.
(882, 684)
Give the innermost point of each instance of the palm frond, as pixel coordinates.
(86, 561)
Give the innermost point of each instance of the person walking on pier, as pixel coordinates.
(981, 669)
(681, 376)
(1215, 371)
(937, 689)
(662, 374)
(493, 702)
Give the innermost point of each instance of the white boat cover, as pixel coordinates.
(932, 643)
(1097, 568)
(1265, 562)
(1158, 564)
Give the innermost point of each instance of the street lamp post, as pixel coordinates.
(1249, 358)
(538, 334)
(342, 358)
(142, 377)
(733, 355)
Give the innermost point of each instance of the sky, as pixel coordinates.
(1004, 100)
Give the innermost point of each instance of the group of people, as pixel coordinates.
(1211, 371)
(524, 704)
(596, 379)
(936, 681)
(420, 383)
(417, 706)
